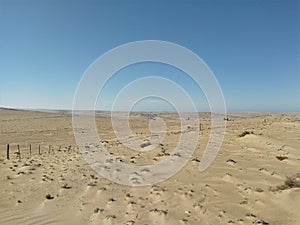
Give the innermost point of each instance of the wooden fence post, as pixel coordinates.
(30, 149)
(19, 152)
(7, 152)
(49, 149)
(39, 149)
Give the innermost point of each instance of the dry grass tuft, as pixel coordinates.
(290, 182)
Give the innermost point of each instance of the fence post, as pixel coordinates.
(19, 152)
(7, 152)
(39, 149)
(30, 149)
(49, 149)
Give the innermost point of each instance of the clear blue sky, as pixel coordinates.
(252, 46)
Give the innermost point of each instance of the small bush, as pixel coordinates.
(290, 182)
(293, 181)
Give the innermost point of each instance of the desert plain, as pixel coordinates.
(255, 178)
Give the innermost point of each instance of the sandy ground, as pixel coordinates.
(246, 184)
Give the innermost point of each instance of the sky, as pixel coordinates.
(251, 46)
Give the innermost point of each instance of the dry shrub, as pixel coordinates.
(290, 182)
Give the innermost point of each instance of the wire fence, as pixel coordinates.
(17, 151)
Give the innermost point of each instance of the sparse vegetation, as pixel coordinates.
(111, 200)
(160, 211)
(290, 182)
(281, 158)
(293, 181)
(97, 210)
(246, 132)
(259, 190)
(92, 184)
(110, 217)
(65, 186)
(261, 222)
(49, 197)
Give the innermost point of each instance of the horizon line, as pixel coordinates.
(137, 111)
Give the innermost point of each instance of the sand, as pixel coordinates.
(244, 185)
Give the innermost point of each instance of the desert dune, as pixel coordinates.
(255, 179)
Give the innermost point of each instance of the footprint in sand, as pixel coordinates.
(157, 191)
(185, 192)
(109, 219)
(228, 177)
